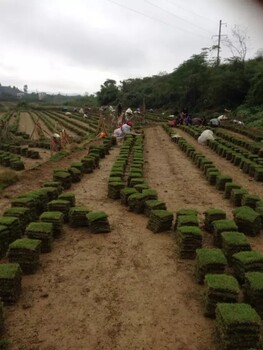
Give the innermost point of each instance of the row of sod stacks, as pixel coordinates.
(253, 290)
(78, 217)
(247, 261)
(247, 220)
(237, 326)
(11, 160)
(220, 226)
(98, 222)
(42, 231)
(234, 242)
(209, 260)
(188, 233)
(10, 282)
(160, 221)
(26, 253)
(219, 288)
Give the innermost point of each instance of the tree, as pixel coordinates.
(238, 43)
(108, 92)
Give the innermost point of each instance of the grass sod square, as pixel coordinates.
(229, 186)
(56, 184)
(247, 261)
(10, 282)
(68, 196)
(75, 173)
(250, 200)
(221, 182)
(125, 193)
(253, 290)
(23, 214)
(236, 196)
(114, 189)
(78, 165)
(209, 260)
(186, 220)
(186, 211)
(52, 192)
(26, 253)
(54, 217)
(88, 165)
(27, 203)
(141, 187)
(98, 222)
(13, 225)
(189, 238)
(220, 226)
(153, 204)
(237, 326)
(4, 240)
(60, 205)
(149, 194)
(160, 221)
(247, 220)
(211, 215)
(219, 288)
(234, 242)
(136, 181)
(136, 202)
(64, 177)
(78, 217)
(42, 231)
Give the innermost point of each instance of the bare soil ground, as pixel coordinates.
(127, 289)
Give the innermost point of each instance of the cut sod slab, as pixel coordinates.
(98, 222)
(237, 326)
(23, 214)
(247, 220)
(26, 253)
(189, 238)
(220, 226)
(211, 215)
(13, 225)
(153, 204)
(114, 189)
(68, 196)
(246, 262)
(160, 221)
(10, 282)
(186, 220)
(253, 290)
(209, 261)
(234, 242)
(125, 193)
(64, 177)
(78, 216)
(56, 218)
(219, 288)
(60, 205)
(42, 231)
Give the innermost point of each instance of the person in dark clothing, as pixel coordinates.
(119, 109)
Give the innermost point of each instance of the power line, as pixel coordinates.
(153, 18)
(173, 14)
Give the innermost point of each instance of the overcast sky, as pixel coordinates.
(73, 46)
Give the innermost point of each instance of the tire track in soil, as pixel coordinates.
(119, 290)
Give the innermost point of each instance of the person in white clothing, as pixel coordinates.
(128, 114)
(120, 132)
(206, 135)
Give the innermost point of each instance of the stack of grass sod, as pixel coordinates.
(125, 193)
(75, 173)
(60, 205)
(221, 182)
(190, 219)
(4, 238)
(253, 290)
(219, 288)
(78, 216)
(26, 253)
(98, 222)
(141, 187)
(10, 282)
(23, 214)
(63, 176)
(56, 218)
(229, 186)
(160, 221)
(237, 326)
(213, 214)
(250, 200)
(2, 326)
(115, 185)
(13, 225)
(52, 192)
(42, 231)
(26, 202)
(220, 226)
(153, 204)
(189, 238)
(246, 262)
(136, 202)
(40, 198)
(234, 242)
(54, 184)
(236, 196)
(247, 220)
(209, 260)
(259, 209)
(68, 196)
(88, 164)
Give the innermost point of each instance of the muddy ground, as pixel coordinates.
(127, 289)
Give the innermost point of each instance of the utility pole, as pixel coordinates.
(219, 42)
